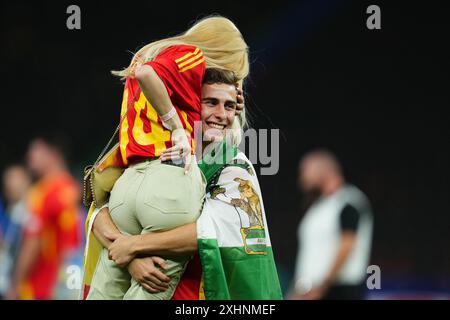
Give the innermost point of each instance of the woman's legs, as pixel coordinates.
(109, 281)
(149, 196)
(167, 199)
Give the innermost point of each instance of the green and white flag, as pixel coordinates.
(233, 238)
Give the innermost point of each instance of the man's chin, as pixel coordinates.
(213, 135)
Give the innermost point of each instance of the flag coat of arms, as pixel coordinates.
(233, 238)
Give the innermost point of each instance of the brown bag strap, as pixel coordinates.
(105, 149)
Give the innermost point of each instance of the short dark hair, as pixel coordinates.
(325, 155)
(56, 141)
(214, 75)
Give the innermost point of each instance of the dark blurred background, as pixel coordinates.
(377, 98)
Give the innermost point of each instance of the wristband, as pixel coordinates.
(169, 115)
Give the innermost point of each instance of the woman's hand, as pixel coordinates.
(181, 149)
(144, 271)
(240, 100)
(121, 250)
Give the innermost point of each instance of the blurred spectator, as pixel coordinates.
(335, 234)
(52, 231)
(3, 219)
(16, 183)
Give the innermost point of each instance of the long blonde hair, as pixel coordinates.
(217, 37)
(239, 125)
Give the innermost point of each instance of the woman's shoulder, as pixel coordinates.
(180, 50)
(182, 58)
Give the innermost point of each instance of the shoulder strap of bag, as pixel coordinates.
(105, 149)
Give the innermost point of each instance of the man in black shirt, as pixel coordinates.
(334, 235)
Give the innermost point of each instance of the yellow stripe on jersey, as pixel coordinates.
(181, 65)
(192, 65)
(188, 125)
(188, 128)
(124, 129)
(157, 136)
(187, 56)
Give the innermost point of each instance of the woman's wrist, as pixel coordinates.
(171, 120)
(174, 123)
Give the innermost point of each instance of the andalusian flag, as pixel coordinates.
(233, 239)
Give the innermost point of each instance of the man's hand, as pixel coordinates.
(104, 228)
(121, 250)
(315, 293)
(144, 271)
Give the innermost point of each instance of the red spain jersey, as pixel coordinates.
(190, 286)
(142, 135)
(53, 204)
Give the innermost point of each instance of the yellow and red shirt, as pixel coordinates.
(53, 204)
(190, 286)
(142, 135)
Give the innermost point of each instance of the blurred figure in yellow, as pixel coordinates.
(335, 234)
(53, 228)
(16, 182)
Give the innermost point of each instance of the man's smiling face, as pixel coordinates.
(218, 109)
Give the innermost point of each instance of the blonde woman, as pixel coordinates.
(162, 101)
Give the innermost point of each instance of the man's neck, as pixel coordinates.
(332, 185)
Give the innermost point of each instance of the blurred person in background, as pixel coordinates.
(335, 234)
(3, 218)
(16, 183)
(52, 231)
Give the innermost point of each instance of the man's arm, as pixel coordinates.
(346, 244)
(143, 270)
(349, 219)
(104, 228)
(179, 241)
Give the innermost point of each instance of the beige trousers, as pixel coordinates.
(148, 197)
